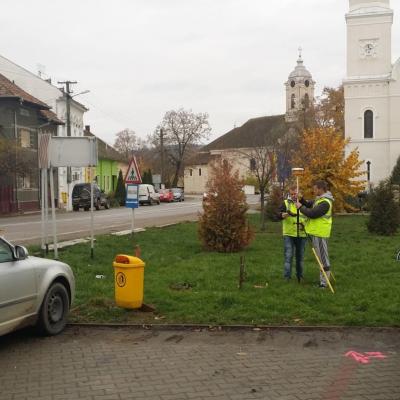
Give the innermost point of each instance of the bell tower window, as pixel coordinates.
(368, 124)
(293, 101)
(306, 101)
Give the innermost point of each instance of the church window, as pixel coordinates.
(191, 172)
(199, 171)
(368, 124)
(253, 165)
(307, 83)
(293, 101)
(306, 101)
(292, 83)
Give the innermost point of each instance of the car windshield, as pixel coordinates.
(175, 190)
(79, 188)
(5, 252)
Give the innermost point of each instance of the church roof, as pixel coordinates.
(250, 134)
(300, 71)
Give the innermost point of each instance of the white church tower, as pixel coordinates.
(372, 87)
(299, 90)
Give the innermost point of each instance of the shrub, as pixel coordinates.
(120, 191)
(385, 213)
(223, 226)
(274, 202)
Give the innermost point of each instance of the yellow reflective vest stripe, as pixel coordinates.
(289, 224)
(321, 226)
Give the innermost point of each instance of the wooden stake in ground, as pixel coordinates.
(242, 272)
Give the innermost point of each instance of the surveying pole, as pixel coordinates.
(297, 172)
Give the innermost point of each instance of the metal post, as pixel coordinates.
(162, 155)
(46, 211)
(53, 214)
(91, 216)
(42, 206)
(133, 222)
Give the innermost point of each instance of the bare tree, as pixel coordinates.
(261, 159)
(181, 129)
(13, 159)
(126, 142)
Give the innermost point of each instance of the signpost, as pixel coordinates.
(133, 179)
(54, 152)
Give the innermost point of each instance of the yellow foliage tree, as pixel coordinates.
(322, 155)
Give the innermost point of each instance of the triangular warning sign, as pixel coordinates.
(133, 174)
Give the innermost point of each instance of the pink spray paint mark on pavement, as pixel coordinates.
(364, 358)
(340, 382)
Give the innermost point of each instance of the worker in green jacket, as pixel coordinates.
(319, 223)
(294, 240)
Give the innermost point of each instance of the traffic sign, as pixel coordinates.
(133, 174)
(132, 196)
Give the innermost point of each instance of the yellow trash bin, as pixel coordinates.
(129, 280)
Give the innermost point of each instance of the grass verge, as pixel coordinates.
(188, 285)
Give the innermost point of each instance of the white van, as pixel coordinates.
(148, 195)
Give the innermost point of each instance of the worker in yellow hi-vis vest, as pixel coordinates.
(294, 239)
(319, 225)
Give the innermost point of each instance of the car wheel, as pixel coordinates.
(86, 208)
(54, 310)
(97, 205)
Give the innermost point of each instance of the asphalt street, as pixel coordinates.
(26, 229)
(138, 364)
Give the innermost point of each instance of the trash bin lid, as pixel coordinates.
(123, 260)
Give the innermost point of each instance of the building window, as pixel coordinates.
(25, 138)
(253, 164)
(191, 172)
(368, 124)
(293, 101)
(306, 101)
(199, 171)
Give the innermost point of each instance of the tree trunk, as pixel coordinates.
(176, 176)
(262, 217)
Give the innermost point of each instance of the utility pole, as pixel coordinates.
(162, 154)
(68, 93)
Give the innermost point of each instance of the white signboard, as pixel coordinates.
(73, 151)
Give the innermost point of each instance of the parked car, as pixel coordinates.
(33, 291)
(166, 195)
(81, 197)
(148, 195)
(179, 194)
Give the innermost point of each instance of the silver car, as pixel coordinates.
(33, 291)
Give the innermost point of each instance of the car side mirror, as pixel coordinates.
(21, 252)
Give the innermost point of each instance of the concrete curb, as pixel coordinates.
(227, 328)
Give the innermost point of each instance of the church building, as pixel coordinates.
(372, 87)
(236, 145)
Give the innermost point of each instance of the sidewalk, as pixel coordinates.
(125, 363)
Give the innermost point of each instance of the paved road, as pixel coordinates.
(27, 229)
(124, 363)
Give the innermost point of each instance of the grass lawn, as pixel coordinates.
(367, 288)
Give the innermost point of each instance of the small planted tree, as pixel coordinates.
(385, 212)
(120, 191)
(223, 226)
(274, 201)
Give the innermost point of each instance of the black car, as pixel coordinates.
(81, 197)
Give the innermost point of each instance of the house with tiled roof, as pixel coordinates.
(110, 163)
(235, 145)
(56, 98)
(22, 118)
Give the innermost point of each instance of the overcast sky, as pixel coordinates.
(141, 58)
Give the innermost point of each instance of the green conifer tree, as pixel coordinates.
(385, 212)
(120, 191)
